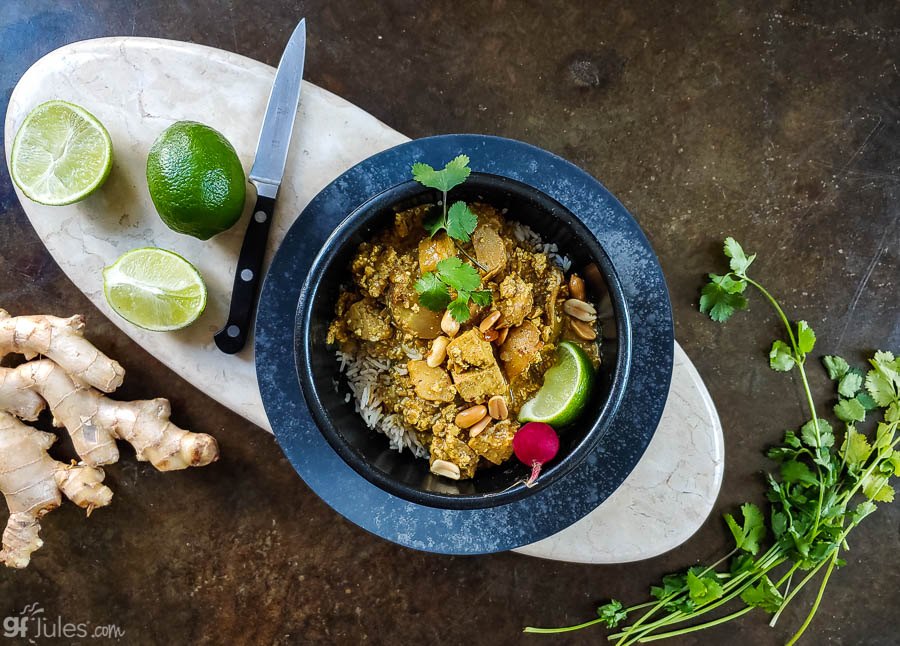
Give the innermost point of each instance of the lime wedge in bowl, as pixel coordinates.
(61, 154)
(566, 389)
(155, 289)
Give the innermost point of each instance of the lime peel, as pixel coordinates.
(196, 180)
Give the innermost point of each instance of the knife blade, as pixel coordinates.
(265, 175)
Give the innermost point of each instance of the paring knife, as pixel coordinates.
(266, 175)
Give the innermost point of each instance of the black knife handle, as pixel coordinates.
(247, 277)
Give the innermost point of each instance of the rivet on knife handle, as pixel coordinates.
(231, 338)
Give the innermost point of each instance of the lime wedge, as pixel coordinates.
(155, 289)
(61, 154)
(567, 386)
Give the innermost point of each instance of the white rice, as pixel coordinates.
(365, 375)
(412, 353)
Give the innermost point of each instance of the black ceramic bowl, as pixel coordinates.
(368, 452)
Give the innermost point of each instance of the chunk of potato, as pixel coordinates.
(489, 250)
(480, 384)
(470, 349)
(474, 367)
(412, 317)
(520, 348)
(433, 250)
(430, 383)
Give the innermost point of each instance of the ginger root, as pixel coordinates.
(94, 421)
(62, 341)
(32, 481)
(16, 396)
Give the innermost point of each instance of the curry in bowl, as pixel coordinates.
(448, 326)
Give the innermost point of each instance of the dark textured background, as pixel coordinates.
(775, 122)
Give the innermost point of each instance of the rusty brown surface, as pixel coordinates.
(775, 122)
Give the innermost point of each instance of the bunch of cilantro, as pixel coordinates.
(821, 490)
(459, 222)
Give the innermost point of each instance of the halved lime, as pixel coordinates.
(567, 386)
(155, 289)
(61, 154)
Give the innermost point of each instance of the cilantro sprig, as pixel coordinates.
(821, 490)
(724, 295)
(459, 222)
(453, 273)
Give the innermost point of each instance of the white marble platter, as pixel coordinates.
(139, 86)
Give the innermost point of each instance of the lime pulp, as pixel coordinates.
(155, 289)
(61, 154)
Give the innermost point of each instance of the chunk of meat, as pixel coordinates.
(444, 424)
(367, 322)
(410, 316)
(470, 350)
(433, 250)
(489, 250)
(373, 267)
(474, 367)
(520, 348)
(478, 312)
(546, 296)
(480, 384)
(344, 301)
(443, 427)
(430, 383)
(515, 300)
(337, 331)
(409, 221)
(403, 400)
(495, 443)
(454, 450)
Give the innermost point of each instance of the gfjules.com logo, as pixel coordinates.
(32, 625)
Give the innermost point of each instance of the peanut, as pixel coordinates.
(446, 469)
(501, 336)
(468, 417)
(449, 325)
(583, 330)
(576, 287)
(489, 321)
(580, 310)
(497, 407)
(438, 352)
(480, 426)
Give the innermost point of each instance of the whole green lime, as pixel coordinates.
(196, 180)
